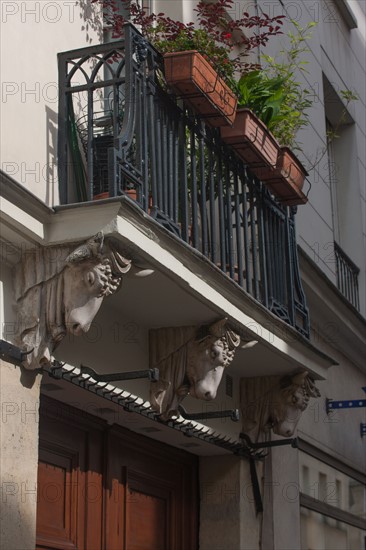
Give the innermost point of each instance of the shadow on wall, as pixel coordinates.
(91, 20)
(15, 530)
(92, 25)
(50, 175)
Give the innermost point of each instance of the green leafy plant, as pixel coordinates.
(264, 96)
(275, 94)
(214, 34)
(348, 96)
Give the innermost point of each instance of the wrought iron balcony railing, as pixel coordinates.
(347, 276)
(122, 132)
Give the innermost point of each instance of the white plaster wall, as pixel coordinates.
(32, 33)
(19, 403)
(7, 310)
(338, 433)
(344, 64)
(227, 514)
(19, 399)
(340, 53)
(176, 9)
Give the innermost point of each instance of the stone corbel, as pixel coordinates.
(191, 360)
(59, 290)
(274, 403)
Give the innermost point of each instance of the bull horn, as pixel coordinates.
(120, 264)
(311, 387)
(233, 339)
(299, 379)
(140, 271)
(218, 328)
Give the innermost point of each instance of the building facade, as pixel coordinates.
(168, 326)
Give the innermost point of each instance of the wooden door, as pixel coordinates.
(70, 490)
(109, 488)
(155, 487)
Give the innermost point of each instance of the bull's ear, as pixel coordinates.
(248, 344)
(218, 328)
(141, 272)
(87, 250)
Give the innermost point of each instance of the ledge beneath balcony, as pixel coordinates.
(200, 291)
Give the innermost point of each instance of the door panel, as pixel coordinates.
(146, 526)
(149, 480)
(58, 478)
(149, 514)
(107, 488)
(70, 490)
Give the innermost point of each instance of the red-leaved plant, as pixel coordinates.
(214, 35)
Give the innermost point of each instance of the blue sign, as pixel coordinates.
(345, 404)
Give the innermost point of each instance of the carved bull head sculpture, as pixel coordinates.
(275, 402)
(191, 361)
(59, 290)
(207, 357)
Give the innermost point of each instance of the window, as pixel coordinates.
(317, 533)
(343, 182)
(333, 505)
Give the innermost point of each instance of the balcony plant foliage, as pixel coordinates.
(224, 42)
(275, 94)
(214, 35)
(279, 99)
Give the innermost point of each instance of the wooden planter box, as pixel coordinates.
(192, 78)
(252, 141)
(287, 180)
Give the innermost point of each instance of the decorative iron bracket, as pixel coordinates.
(55, 370)
(293, 441)
(136, 405)
(12, 353)
(151, 374)
(250, 447)
(233, 414)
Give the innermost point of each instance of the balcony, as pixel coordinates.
(347, 276)
(121, 133)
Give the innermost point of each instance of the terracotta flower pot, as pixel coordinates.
(252, 141)
(192, 78)
(287, 180)
(101, 196)
(132, 193)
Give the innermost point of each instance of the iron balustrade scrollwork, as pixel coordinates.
(122, 132)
